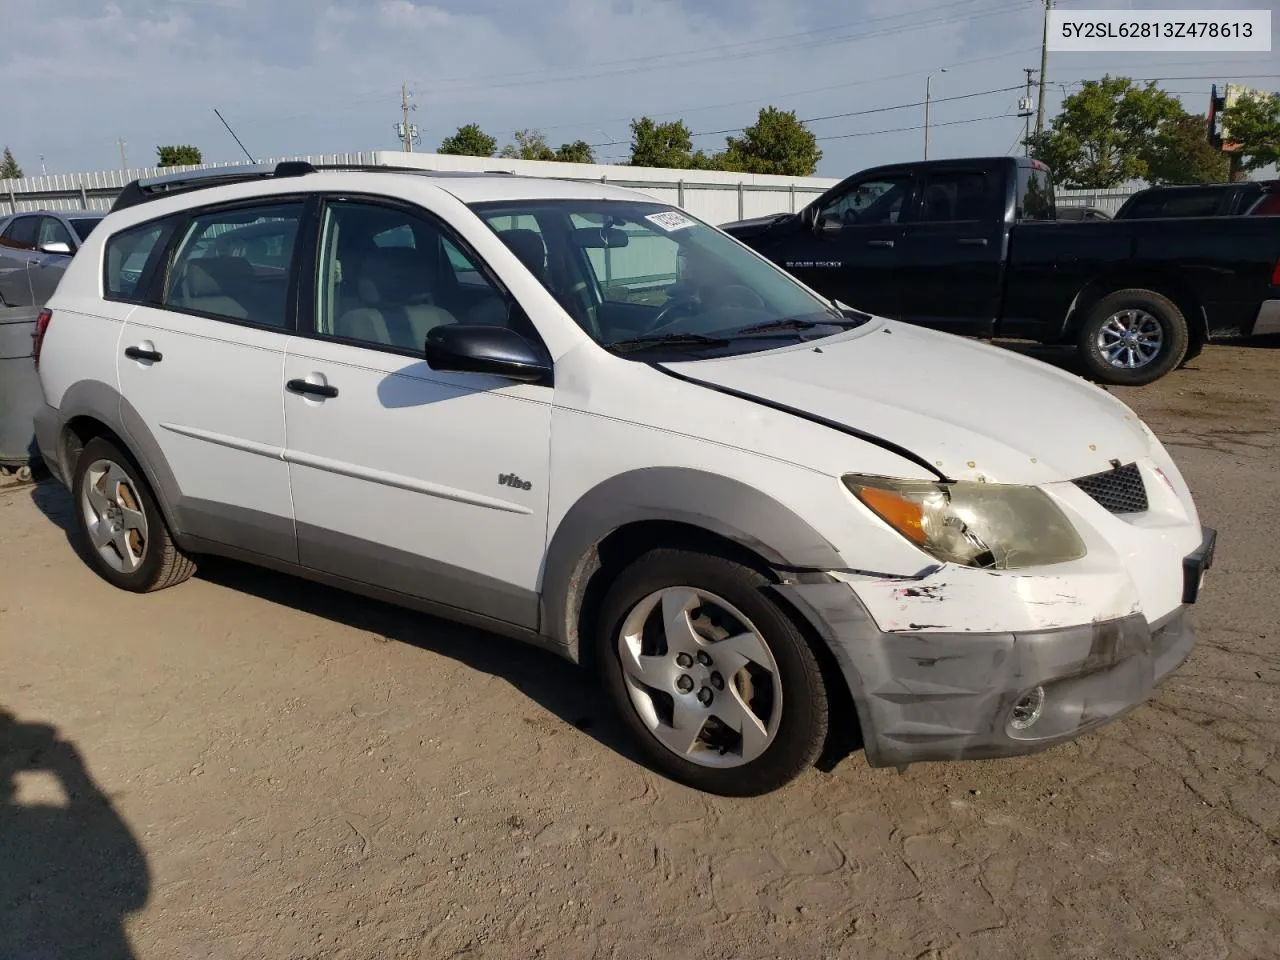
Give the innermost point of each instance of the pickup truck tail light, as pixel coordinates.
(37, 336)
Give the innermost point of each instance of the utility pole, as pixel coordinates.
(124, 163)
(928, 95)
(1044, 66)
(408, 132)
(1024, 111)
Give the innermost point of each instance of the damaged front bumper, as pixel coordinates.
(965, 696)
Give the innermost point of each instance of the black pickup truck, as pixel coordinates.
(973, 247)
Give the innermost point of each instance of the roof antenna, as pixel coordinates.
(233, 135)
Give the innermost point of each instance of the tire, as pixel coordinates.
(768, 655)
(123, 532)
(1156, 321)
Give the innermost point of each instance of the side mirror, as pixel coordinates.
(499, 351)
(828, 226)
(55, 246)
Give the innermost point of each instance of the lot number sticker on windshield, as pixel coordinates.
(670, 221)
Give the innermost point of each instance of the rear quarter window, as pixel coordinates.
(128, 254)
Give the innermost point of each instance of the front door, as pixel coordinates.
(45, 269)
(853, 253)
(202, 367)
(953, 253)
(434, 485)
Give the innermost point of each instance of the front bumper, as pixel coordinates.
(951, 696)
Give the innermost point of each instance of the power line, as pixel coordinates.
(703, 60)
(651, 60)
(949, 123)
(863, 113)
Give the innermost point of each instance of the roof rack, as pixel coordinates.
(152, 188)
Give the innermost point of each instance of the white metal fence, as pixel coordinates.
(712, 195)
(1108, 201)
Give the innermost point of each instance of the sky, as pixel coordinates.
(312, 76)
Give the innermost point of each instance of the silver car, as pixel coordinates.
(35, 249)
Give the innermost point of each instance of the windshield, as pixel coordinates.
(83, 226)
(640, 274)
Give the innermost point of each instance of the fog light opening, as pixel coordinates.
(1027, 710)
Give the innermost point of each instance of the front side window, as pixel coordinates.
(388, 276)
(235, 264)
(53, 231)
(634, 274)
(870, 203)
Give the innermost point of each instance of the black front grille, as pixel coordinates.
(1120, 490)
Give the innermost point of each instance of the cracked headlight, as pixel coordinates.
(992, 525)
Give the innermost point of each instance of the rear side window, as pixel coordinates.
(127, 256)
(959, 195)
(235, 265)
(21, 233)
(84, 227)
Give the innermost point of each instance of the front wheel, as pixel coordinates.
(1133, 337)
(716, 683)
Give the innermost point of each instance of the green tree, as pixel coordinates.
(469, 141)
(577, 152)
(661, 144)
(1254, 124)
(1180, 152)
(529, 145)
(1105, 133)
(178, 156)
(776, 143)
(9, 169)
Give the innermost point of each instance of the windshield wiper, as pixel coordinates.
(667, 340)
(795, 323)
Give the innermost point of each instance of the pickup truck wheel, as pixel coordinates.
(717, 685)
(1133, 337)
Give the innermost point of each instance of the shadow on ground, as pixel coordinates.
(70, 868)
(563, 688)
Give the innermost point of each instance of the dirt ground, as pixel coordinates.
(251, 767)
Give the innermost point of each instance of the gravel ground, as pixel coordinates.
(250, 766)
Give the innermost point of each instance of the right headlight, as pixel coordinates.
(993, 525)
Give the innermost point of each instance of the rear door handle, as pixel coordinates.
(972, 241)
(143, 353)
(880, 243)
(307, 388)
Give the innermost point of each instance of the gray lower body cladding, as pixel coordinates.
(951, 696)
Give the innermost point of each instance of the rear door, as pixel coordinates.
(17, 244)
(202, 363)
(853, 253)
(953, 252)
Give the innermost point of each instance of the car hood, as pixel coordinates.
(971, 410)
(755, 226)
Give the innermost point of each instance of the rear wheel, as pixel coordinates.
(716, 683)
(1133, 337)
(126, 540)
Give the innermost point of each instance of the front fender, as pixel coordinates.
(721, 506)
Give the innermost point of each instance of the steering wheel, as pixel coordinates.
(729, 295)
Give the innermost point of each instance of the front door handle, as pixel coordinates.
(307, 388)
(972, 241)
(880, 243)
(143, 353)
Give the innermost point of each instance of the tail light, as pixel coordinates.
(37, 336)
(1275, 275)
